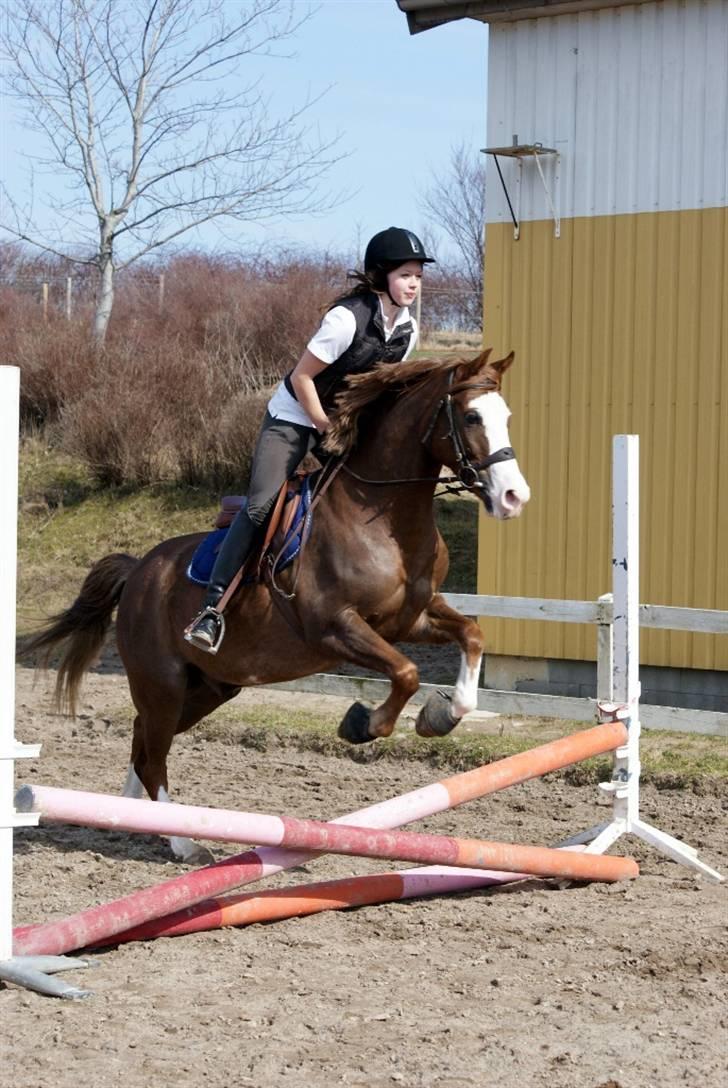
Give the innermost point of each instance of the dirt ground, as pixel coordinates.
(598, 986)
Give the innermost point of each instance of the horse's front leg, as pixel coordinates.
(440, 623)
(351, 638)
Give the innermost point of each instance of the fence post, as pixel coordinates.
(160, 294)
(69, 297)
(44, 300)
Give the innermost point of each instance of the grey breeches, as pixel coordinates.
(280, 448)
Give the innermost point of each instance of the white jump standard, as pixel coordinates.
(623, 703)
(32, 972)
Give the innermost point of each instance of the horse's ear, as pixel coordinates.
(501, 365)
(474, 366)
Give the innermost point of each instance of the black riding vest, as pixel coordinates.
(368, 347)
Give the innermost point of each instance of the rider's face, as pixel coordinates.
(404, 282)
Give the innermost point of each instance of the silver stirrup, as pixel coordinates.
(203, 644)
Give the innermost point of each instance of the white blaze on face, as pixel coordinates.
(507, 488)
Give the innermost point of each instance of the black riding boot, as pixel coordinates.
(207, 630)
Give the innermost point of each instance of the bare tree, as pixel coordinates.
(149, 119)
(454, 203)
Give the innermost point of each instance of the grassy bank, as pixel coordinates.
(669, 760)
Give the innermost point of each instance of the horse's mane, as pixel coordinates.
(362, 389)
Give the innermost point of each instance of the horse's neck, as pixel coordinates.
(391, 446)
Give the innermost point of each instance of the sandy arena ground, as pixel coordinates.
(599, 986)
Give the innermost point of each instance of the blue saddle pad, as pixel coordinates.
(203, 560)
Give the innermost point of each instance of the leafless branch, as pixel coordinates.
(454, 203)
(145, 108)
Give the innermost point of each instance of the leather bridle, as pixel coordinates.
(467, 470)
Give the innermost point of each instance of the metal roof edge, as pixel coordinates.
(427, 14)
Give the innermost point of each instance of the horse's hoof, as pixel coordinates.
(191, 853)
(436, 718)
(355, 724)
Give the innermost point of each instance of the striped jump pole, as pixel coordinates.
(88, 928)
(276, 904)
(222, 825)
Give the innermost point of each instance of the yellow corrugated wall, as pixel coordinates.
(619, 327)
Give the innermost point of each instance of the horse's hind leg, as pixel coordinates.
(153, 735)
(133, 786)
(165, 711)
(440, 623)
(351, 638)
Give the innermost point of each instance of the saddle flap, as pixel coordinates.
(282, 540)
(229, 507)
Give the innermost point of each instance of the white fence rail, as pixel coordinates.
(599, 613)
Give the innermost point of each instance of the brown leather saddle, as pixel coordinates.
(278, 527)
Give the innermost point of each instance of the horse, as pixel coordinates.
(367, 577)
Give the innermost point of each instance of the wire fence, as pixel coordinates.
(69, 294)
(450, 308)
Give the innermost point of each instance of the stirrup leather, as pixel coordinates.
(202, 644)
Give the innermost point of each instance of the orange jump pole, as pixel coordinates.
(276, 904)
(535, 762)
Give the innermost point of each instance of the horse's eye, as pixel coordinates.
(473, 418)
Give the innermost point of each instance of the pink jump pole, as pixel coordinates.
(90, 927)
(128, 814)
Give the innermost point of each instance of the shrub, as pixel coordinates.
(176, 395)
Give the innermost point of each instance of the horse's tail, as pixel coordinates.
(82, 627)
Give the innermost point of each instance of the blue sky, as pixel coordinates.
(399, 101)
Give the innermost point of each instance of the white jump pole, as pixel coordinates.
(30, 971)
(625, 698)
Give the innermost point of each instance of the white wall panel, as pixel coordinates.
(634, 98)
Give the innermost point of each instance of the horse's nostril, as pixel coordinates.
(511, 499)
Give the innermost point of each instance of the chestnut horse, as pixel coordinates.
(367, 577)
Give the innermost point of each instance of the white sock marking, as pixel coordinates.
(182, 848)
(133, 786)
(465, 695)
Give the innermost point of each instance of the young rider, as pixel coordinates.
(368, 325)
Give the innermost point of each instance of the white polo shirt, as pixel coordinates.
(335, 334)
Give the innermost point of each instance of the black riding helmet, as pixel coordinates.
(392, 247)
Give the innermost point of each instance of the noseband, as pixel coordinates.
(467, 470)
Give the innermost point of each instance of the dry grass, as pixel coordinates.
(466, 342)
